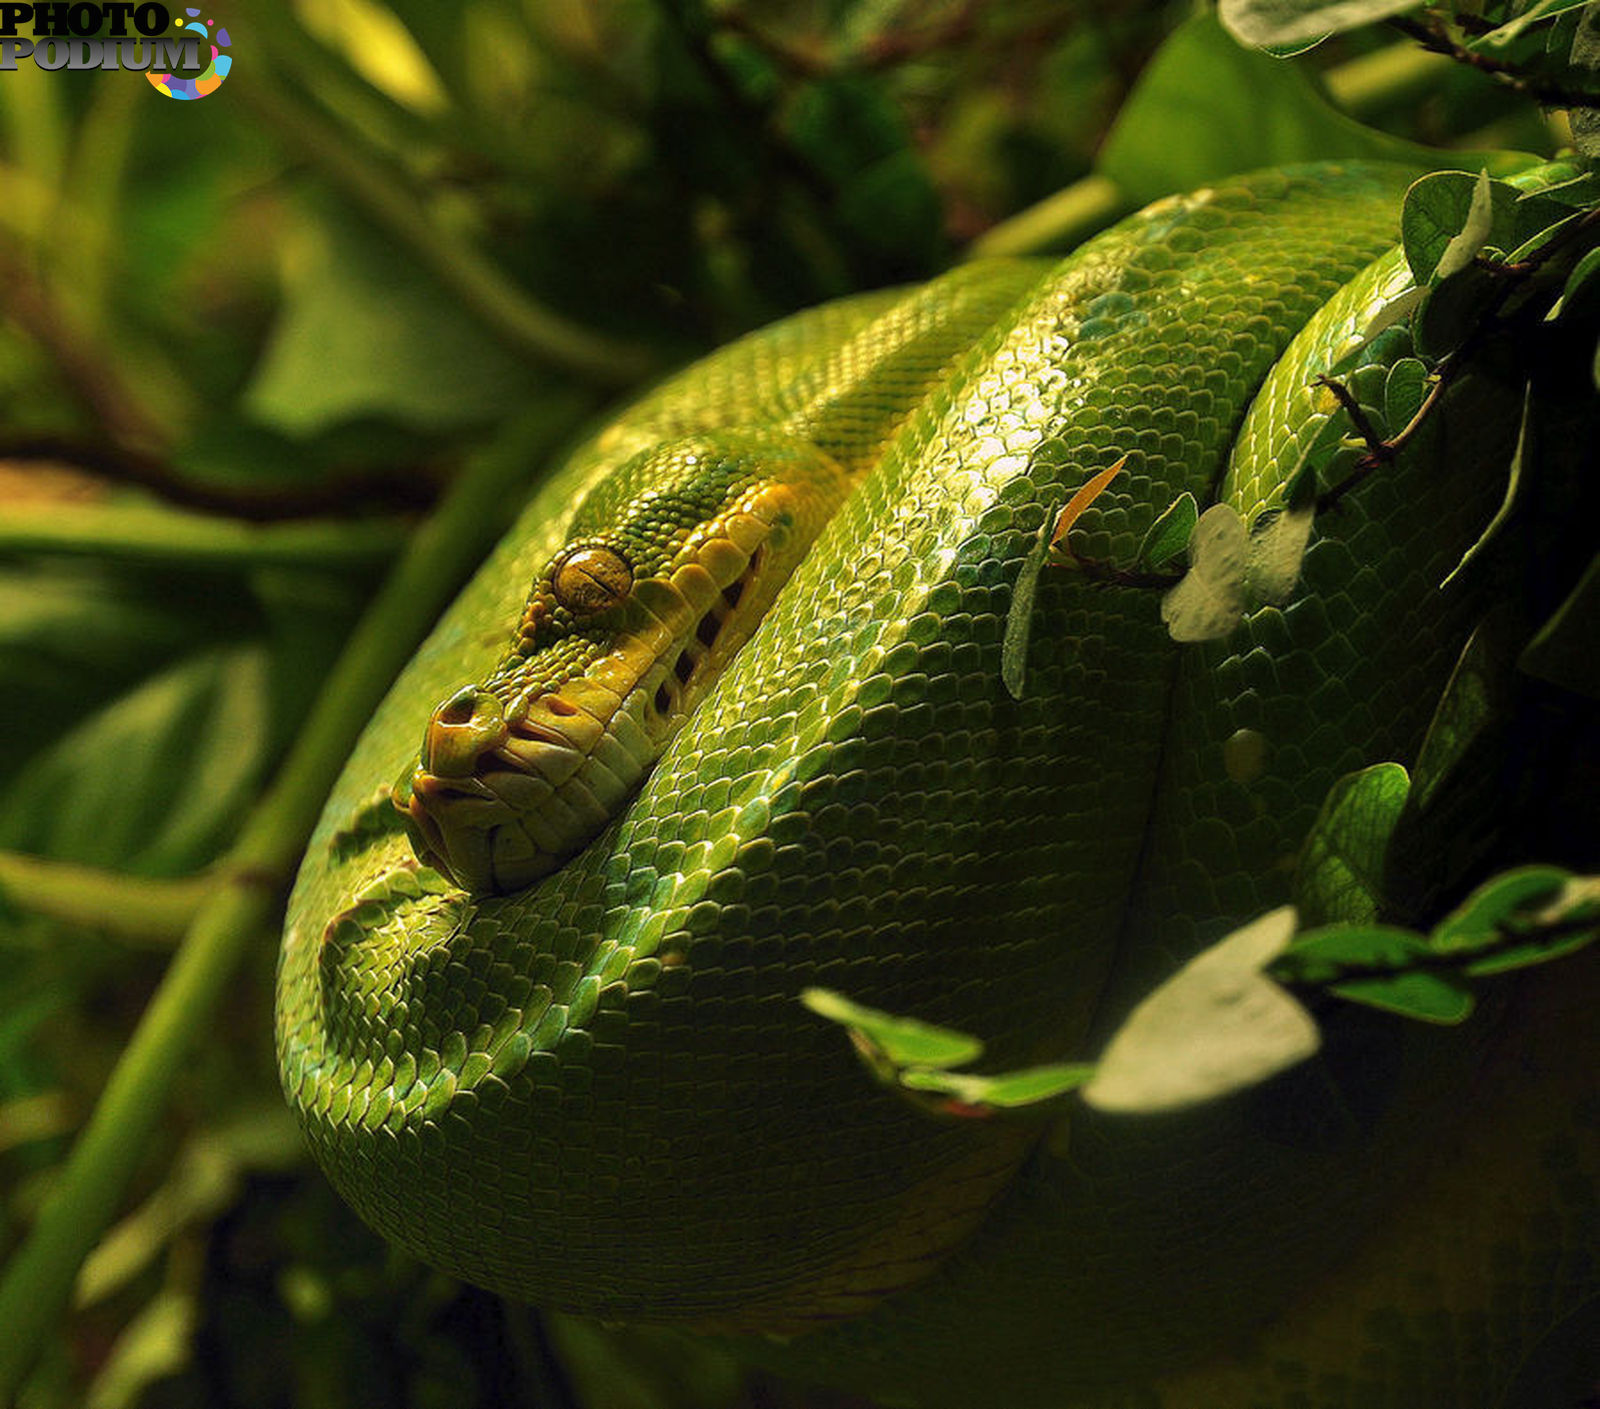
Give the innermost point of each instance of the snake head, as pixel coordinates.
(668, 568)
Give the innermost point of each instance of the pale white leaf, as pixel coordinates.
(1276, 554)
(1210, 600)
(1474, 232)
(1216, 1026)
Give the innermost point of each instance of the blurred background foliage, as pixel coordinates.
(248, 341)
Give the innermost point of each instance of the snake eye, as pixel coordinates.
(588, 580)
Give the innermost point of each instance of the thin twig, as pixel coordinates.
(1101, 571)
(1382, 452)
(1377, 446)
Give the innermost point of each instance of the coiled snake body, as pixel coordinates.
(581, 1076)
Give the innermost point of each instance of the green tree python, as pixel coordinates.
(723, 717)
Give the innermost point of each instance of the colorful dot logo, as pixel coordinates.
(203, 84)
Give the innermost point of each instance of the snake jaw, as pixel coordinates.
(472, 810)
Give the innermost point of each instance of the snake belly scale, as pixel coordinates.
(597, 1090)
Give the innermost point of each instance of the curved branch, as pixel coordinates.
(139, 909)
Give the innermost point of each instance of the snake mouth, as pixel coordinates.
(695, 650)
(506, 793)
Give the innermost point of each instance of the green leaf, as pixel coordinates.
(1543, 231)
(1210, 600)
(1281, 22)
(1584, 274)
(1366, 382)
(1542, 209)
(1340, 871)
(1449, 212)
(1325, 955)
(1457, 807)
(1216, 1026)
(1318, 957)
(1480, 921)
(1474, 233)
(1236, 110)
(1019, 617)
(1563, 649)
(1508, 503)
(1169, 534)
(1028, 1087)
(902, 1041)
(365, 332)
(1467, 707)
(156, 779)
(1578, 189)
(1403, 393)
(1580, 296)
(1566, 923)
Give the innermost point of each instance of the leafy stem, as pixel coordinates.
(1512, 276)
(1433, 36)
(1241, 1011)
(1379, 450)
(1506, 936)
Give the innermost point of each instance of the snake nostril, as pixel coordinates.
(464, 727)
(460, 708)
